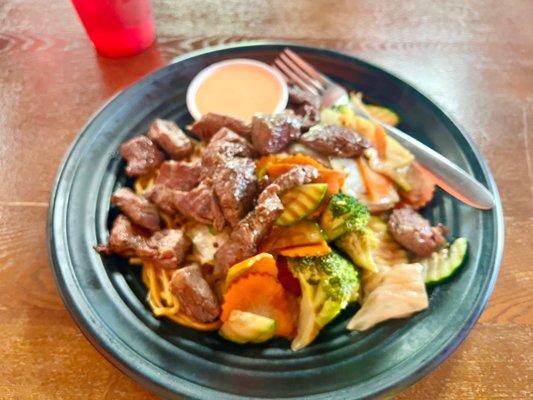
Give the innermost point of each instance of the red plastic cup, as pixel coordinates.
(117, 28)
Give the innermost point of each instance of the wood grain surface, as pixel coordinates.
(475, 58)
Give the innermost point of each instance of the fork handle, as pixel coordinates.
(446, 174)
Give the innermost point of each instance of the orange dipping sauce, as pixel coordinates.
(240, 89)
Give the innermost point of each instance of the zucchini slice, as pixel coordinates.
(442, 264)
(244, 327)
(301, 201)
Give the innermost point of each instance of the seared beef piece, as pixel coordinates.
(166, 248)
(272, 133)
(235, 185)
(142, 156)
(163, 197)
(201, 205)
(334, 140)
(179, 175)
(248, 233)
(414, 233)
(253, 228)
(125, 239)
(306, 105)
(196, 298)
(137, 208)
(310, 116)
(206, 127)
(298, 97)
(296, 176)
(170, 138)
(224, 146)
(264, 182)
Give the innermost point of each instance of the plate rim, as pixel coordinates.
(192, 389)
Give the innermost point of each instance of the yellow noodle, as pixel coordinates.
(157, 280)
(167, 219)
(135, 261)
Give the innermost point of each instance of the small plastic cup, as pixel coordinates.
(117, 28)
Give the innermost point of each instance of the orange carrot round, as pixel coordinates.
(263, 295)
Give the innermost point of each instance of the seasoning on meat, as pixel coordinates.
(137, 208)
(235, 185)
(298, 97)
(170, 138)
(306, 105)
(195, 296)
(249, 232)
(201, 205)
(272, 133)
(179, 175)
(334, 140)
(166, 248)
(163, 197)
(414, 232)
(142, 156)
(224, 146)
(207, 126)
(125, 239)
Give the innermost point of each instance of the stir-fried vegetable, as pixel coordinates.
(302, 233)
(310, 250)
(443, 264)
(262, 263)
(263, 295)
(328, 284)
(301, 201)
(245, 327)
(359, 246)
(343, 214)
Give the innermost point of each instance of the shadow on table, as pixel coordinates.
(118, 73)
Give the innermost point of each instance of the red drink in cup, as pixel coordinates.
(117, 28)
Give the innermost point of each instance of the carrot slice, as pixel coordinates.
(312, 250)
(334, 179)
(377, 185)
(300, 234)
(295, 159)
(263, 295)
(275, 170)
(302, 159)
(422, 187)
(261, 263)
(380, 140)
(265, 161)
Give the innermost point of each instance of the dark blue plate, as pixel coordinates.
(107, 299)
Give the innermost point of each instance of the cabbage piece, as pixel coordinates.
(393, 292)
(205, 242)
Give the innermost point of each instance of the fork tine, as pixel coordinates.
(308, 68)
(295, 78)
(301, 73)
(287, 79)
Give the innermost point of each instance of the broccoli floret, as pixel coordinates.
(344, 214)
(328, 284)
(359, 246)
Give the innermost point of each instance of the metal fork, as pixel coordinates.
(446, 174)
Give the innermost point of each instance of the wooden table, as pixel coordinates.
(474, 58)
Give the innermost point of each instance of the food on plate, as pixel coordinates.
(328, 283)
(390, 293)
(238, 88)
(271, 226)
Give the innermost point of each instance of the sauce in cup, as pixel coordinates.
(239, 88)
